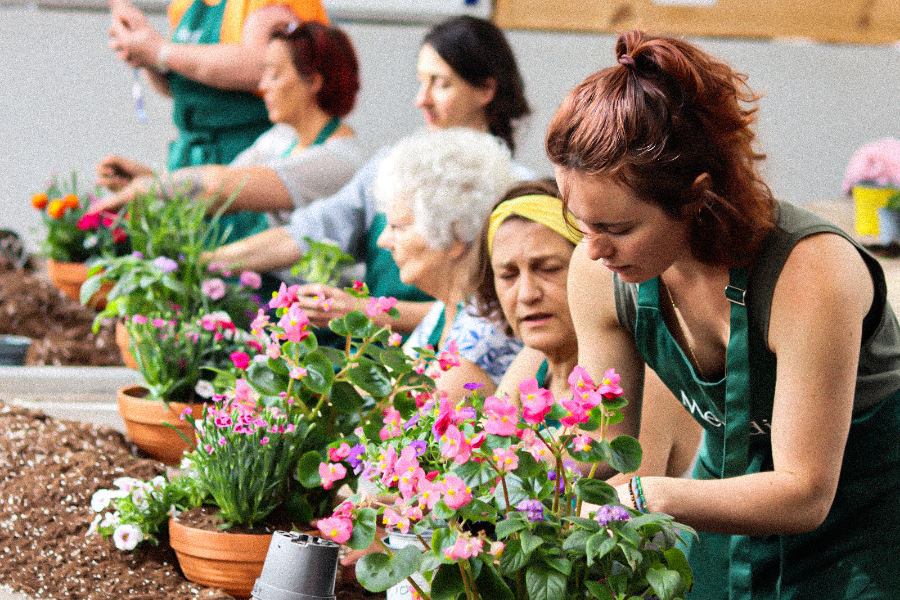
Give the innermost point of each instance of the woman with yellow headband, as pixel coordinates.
(521, 285)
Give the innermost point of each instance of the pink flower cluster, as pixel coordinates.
(876, 163)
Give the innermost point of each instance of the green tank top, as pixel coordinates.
(214, 125)
(853, 553)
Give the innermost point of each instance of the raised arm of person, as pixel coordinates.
(236, 66)
(817, 343)
(117, 172)
(602, 342)
(270, 250)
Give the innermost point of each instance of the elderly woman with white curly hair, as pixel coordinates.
(436, 189)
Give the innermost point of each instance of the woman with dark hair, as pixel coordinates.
(793, 370)
(351, 219)
(478, 53)
(520, 284)
(310, 81)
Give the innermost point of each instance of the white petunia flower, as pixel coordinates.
(127, 537)
(204, 389)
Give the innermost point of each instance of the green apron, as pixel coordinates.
(853, 553)
(214, 125)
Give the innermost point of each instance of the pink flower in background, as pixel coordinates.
(395, 339)
(506, 459)
(294, 323)
(240, 359)
(580, 381)
(323, 302)
(465, 547)
(456, 493)
(609, 386)
(582, 442)
(251, 279)
(139, 319)
(214, 289)
(577, 415)
(284, 297)
(379, 306)
(876, 163)
(331, 472)
(339, 453)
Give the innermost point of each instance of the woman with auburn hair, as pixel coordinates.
(309, 83)
(520, 283)
(770, 325)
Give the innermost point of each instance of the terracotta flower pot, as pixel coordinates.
(68, 277)
(231, 561)
(123, 341)
(145, 423)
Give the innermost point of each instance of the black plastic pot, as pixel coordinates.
(298, 567)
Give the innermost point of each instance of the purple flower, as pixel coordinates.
(214, 289)
(411, 423)
(419, 446)
(137, 254)
(354, 457)
(533, 509)
(611, 512)
(165, 264)
(472, 386)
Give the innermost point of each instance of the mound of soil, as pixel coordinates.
(49, 469)
(60, 328)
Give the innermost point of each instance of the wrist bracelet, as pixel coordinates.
(162, 59)
(642, 502)
(631, 491)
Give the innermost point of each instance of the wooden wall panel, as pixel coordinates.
(839, 21)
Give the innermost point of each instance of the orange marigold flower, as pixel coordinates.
(71, 201)
(57, 208)
(40, 200)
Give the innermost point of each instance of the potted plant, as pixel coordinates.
(178, 358)
(497, 491)
(872, 176)
(259, 442)
(76, 239)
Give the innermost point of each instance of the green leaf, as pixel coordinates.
(345, 398)
(298, 507)
(514, 522)
(544, 583)
(371, 377)
(364, 528)
(625, 454)
(563, 565)
(490, 585)
(598, 546)
(308, 469)
(319, 373)
(447, 583)
(358, 324)
(377, 572)
(665, 583)
(600, 591)
(89, 288)
(577, 541)
(474, 473)
(512, 559)
(264, 380)
(595, 491)
(530, 542)
(528, 466)
(677, 561)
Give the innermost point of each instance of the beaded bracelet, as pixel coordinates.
(642, 502)
(631, 491)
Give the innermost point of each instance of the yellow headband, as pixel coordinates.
(540, 208)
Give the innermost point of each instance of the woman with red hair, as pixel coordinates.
(769, 324)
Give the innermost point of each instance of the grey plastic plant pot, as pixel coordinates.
(13, 349)
(298, 567)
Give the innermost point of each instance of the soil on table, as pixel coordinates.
(60, 328)
(49, 469)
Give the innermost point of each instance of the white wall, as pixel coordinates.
(65, 101)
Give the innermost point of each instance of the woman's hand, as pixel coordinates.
(322, 303)
(123, 197)
(115, 172)
(133, 38)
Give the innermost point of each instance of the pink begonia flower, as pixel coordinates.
(477, 440)
(393, 520)
(465, 547)
(408, 472)
(337, 528)
(582, 443)
(580, 381)
(455, 445)
(251, 279)
(294, 323)
(240, 359)
(139, 319)
(284, 297)
(379, 306)
(273, 350)
(497, 549)
(214, 288)
(297, 373)
(502, 416)
(260, 322)
(255, 345)
(430, 492)
(609, 386)
(331, 472)
(577, 414)
(340, 453)
(157, 322)
(506, 459)
(357, 285)
(323, 302)
(243, 393)
(536, 401)
(385, 465)
(876, 163)
(344, 509)
(449, 358)
(395, 339)
(456, 493)
(392, 424)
